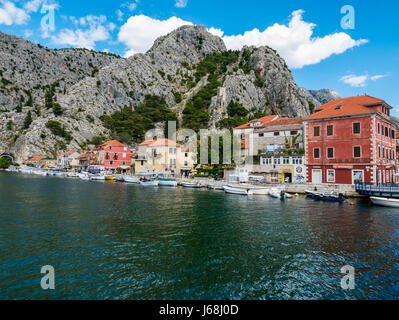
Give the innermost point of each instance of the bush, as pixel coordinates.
(28, 120)
(5, 163)
(58, 130)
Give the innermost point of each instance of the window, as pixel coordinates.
(124, 163)
(379, 152)
(330, 153)
(242, 136)
(386, 131)
(357, 152)
(331, 176)
(277, 161)
(266, 161)
(185, 163)
(316, 153)
(393, 134)
(286, 160)
(186, 155)
(357, 176)
(297, 160)
(142, 163)
(294, 133)
(171, 150)
(110, 148)
(261, 135)
(356, 128)
(330, 131)
(383, 152)
(316, 131)
(111, 163)
(124, 155)
(276, 134)
(379, 129)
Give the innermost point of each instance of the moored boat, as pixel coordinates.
(330, 197)
(109, 178)
(230, 190)
(128, 179)
(167, 183)
(150, 183)
(191, 185)
(215, 187)
(97, 178)
(385, 202)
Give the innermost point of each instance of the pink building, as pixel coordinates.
(110, 156)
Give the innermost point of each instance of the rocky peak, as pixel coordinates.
(187, 44)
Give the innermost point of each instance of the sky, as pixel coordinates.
(351, 47)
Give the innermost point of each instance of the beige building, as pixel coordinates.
(164, 156)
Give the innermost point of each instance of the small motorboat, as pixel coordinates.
(40, 173)
(385, 202)
(109, 178)
(119, 179)
(128, 179)
(149, 183)
(231, 190)
(97, 178)
(191, 185)
(312, 194)
(215, 187)
(330, 197)
(259, 192)
(167, 183)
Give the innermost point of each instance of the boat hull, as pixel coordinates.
(131, 180)
(149, 184)
(191, 185)
(237, 191)
(385, 202)
(168, 183)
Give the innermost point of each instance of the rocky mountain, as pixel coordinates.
(65, 92)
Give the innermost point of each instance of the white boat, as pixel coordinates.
(128, 179)
(385, 202)
(275, 194)
(28, 171)
(191, 185)
(40, 173)
(72, 175)
(153, 183)
(230, 190)
(97, 178)
(259, 192)
(167, 183)
(215, 187)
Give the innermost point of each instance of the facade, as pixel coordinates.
(109, 156)
(246, 131)
(350, 140)
(64, 160)
(163, 156)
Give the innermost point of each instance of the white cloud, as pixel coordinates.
(10, 14)
(33, 6)
(119, 13)
(295, 41)
(377, 77)
(139, 32)
(216, 32)
(360, 81)
(85, 38)
(181, 3)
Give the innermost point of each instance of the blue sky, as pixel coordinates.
(308, 34)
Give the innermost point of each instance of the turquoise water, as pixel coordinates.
(114, 241)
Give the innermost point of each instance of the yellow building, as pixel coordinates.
(164, 156)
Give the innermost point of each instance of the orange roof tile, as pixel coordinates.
(113, 143)
(345, 106)
(159, 143)
(37, 158)
(263, 121)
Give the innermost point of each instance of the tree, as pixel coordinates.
(5, 163)
(28, 120)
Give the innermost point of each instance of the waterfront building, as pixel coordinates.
(164, 156)
(37, 161)
(64, 160)
(350, 140)
(275, 149)
(109, 156)
(245, 133)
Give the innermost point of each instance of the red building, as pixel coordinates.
(350, 140)
(110, 156)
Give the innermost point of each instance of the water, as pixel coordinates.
(116, 241)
